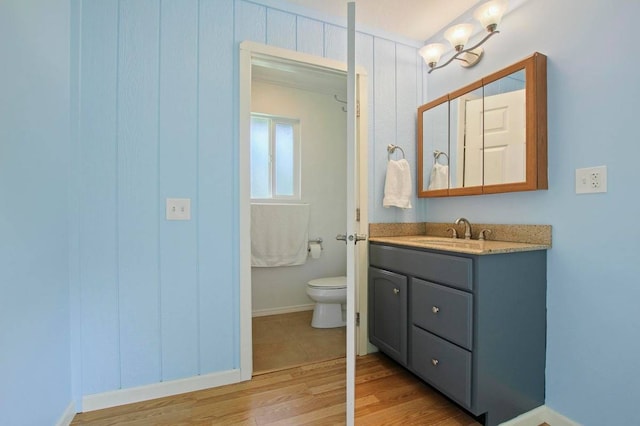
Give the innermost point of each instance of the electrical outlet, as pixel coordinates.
(591, 179)
(178, 209)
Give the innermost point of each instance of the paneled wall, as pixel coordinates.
(157, 118)
(159, 298)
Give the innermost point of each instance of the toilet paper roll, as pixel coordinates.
(315, 249)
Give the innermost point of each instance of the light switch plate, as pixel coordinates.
(591, 180)
(178, 209)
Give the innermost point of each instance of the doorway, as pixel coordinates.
(298, 168)
(250, 52)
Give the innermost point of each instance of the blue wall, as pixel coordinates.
(35, 384)
(157, 116)
(593, 267)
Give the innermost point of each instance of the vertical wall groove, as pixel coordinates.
(158, 200)
(395, 95)
(236, 185)
(117, 195)
(196, 204)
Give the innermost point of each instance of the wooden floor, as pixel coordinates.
(288, 340)
(386, 394)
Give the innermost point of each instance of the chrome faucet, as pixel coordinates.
(467, 227)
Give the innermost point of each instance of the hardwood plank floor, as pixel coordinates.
(386, 394)
(395, 397)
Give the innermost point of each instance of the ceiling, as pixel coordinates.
(414, 19)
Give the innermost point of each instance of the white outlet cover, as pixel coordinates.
(591, 180)
(178, 209)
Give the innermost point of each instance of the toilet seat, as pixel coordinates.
(329, 282)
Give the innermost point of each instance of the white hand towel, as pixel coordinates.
(397, 185)
(279, 234)
(439, 177)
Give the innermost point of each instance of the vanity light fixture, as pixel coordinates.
(489, 16)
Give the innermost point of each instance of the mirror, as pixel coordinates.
(434, 129)
(487, 137)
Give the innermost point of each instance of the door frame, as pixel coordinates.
(249, 50)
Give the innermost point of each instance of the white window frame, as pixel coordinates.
(295, 124)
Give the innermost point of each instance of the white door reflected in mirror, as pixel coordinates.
(500, 144)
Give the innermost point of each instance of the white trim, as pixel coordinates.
(244, 211)
(537, 416)
(261, 50)
(362, 252)
(158, 390)
(283, 310)
(68, 415)
(556, 419)
(350, 216)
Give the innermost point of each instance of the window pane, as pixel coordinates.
(284, 160)
(260, 169)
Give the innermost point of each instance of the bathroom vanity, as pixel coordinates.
(469, 320)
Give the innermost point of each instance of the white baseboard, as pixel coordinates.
(554, 418)
(68, 415)
(285, 310)
(537, 416)
(158, 390)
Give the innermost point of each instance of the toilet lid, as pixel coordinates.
(330, 282)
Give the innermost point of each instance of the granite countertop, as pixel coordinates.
(460, 245)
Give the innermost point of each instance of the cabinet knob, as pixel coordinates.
(396, 291)
(434, 362)
(435, 309)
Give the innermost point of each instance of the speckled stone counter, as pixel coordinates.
(501, 239)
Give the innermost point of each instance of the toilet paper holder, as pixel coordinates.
(315, 240)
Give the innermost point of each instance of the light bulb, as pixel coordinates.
(431, 53)
(490, 14)
(458, 35)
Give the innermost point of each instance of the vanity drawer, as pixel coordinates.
(441, 310)
(442, 364)
(455, 271)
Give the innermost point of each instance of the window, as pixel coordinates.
(275, 157)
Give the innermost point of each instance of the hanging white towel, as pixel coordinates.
(397, 185)
(279, 234)
(439, 177)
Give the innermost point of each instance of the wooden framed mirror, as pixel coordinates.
(487, 137)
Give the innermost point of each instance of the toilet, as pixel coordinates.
(330, 295)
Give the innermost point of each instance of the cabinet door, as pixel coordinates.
(388, 313)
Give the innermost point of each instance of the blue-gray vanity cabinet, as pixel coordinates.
(475, 325)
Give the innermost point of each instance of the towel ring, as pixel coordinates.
(437, 154)
(391, 148)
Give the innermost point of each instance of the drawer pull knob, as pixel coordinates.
(396, 291)
(435, 309)
(434, 362)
